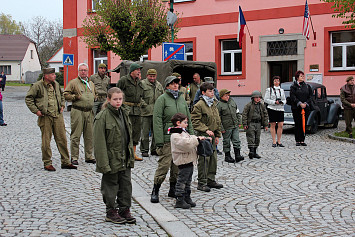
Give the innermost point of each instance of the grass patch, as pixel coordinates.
(16, 83)
(343, 134)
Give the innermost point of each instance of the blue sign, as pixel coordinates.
(173, 51)
(68, 59)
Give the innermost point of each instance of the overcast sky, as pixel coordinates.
(24, 10)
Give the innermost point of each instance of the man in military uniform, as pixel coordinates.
(152, 90)
(194, 86)
(132, 87)
(101, 81)
(81, 92)
(45, 99)
(347, 97)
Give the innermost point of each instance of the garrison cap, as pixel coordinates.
(349, 78)
(48, 70)
(102, 65)
(209, 80)
(169, 80)
(134, 66)
(176, 74)
(256, 94)
(152, 71)
(223, 92)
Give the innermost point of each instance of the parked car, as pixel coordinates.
(326, 112)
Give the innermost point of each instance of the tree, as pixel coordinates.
(9, 26)
(344, 9)
(127, 27)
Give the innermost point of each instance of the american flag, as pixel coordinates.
(306, 19)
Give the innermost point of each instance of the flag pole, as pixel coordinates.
(314, 33)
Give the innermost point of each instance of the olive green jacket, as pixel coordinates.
(185, 95)
(37, 97)
(133, 93)
(150, 95)
(109, 152)
(101, 85)
(230, 118)
(193, 89)
(81, 95)
(206, 118)
(249, 111)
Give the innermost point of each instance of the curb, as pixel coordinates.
(343, 139)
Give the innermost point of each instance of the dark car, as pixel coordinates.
(326, 112)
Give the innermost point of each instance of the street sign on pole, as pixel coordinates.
(68, 59)
(173, 51)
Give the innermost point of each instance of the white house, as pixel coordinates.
(18, 55)
(56, 61)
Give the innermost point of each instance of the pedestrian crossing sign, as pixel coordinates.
(68, 59)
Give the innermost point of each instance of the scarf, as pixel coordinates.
(85, 82)
(209, 101)
(174, 93)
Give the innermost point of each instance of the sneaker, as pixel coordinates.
(74, 162)
(91, 161)
(113, 216)
(214, 184)
(126, 214)
(204, 188)
(145, 154)
(49, 168)
(68, 167)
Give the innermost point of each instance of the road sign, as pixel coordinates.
(68, 59)
(173, 51)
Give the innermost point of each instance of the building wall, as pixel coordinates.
(30, 63)
(15, 70)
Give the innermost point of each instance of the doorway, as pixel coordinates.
(285, 69)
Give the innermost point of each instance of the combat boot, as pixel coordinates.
(180, 203)
(251, 152)
(228, 158)
(188, 199)
(256, 155)
(172, 190)
(154, 198)
(238, 157)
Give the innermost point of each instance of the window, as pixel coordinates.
(94, 3)
(6, 69)
(342, 52)
(231, 57)
(99, 57)
(189, 51)
(278, 48)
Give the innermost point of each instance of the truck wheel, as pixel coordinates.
(314, 126)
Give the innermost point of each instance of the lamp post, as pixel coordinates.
(172, 11)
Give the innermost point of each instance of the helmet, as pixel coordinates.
(256, 94)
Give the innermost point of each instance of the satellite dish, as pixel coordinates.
(171, 18)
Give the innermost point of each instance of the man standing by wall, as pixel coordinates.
(101, 81)
(45, 99)
(194, 86)
(152, 90)
(82, 93)
(2, 80)
(132, 87)
(347, 97)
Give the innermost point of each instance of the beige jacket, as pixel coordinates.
(183, 148)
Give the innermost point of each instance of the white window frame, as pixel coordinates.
(100, 60)
(6, 71)
(344, 47)
(232, 52)
(93, 4)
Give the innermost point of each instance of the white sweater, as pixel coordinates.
(270, 98)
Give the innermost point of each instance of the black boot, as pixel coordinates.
(172, 190)
(155, 194)
(251, 153)
(180, 203)
(228, 158)
(256, 155)
(238, 157)
(188, 199)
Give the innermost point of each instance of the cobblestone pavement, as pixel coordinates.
(291, 191)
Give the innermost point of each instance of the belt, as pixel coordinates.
(132, 104)
(255, 121)
(82, 109)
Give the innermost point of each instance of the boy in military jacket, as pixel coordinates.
(254, 117)
(228, 111)
(206, 122)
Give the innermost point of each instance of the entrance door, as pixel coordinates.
(285, 69)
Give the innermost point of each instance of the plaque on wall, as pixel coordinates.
(314, 68)
(316, 78)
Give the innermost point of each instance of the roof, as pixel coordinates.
(13, 47)
(56, 56)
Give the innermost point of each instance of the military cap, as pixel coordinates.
(134, 66)
(349, 78)
(169, 80)
(223, 92)
(48, 70)
(209, 80)
(152, 72)
(102, 65)
(176, 74)
(256, 94)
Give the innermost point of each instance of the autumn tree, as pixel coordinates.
(9, 26)
(344, 9)
(128, 28)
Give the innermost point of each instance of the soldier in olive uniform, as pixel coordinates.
(152, 90)
(254, 117)
(82, 93)
(132, 87)
(194, 87)
(45, 99)
(347, 97)
(101, 81)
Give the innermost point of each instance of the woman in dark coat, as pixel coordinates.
(301, 98)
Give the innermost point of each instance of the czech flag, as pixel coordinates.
(241, 25)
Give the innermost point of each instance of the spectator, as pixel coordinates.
(2, 81)
(2, 123)
(347, 96)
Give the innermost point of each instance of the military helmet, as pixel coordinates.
(256, 94)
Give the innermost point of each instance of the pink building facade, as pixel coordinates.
(209, 30)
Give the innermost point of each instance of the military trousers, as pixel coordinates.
(253, 135)
(97, 107)
(165, 163)
(231, 135)
(81, 123)
(207, 166)
(147, 126)
(116, 190)
(136, 121)
(183, 184)
(53, 125)
(349, 116)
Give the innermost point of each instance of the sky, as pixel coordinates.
(24, 10)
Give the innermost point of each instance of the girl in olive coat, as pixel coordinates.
(113, 148)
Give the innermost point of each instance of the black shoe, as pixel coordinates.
(219, 152)
(228, 158)
(3, 124)
(256, 155)
(181, 203)
(203, 187)
(238, 157)
(303, 144)
(91, 161)
(145, 154)
(214, 184)
(273, 145)
(188, 199)
(153, 153)
(171, 192)
(113, 216)
(350, 135)
(280, 144)
(154, 198)
(298, 143)
(74, 162)
(126, 214)
(69, 167)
